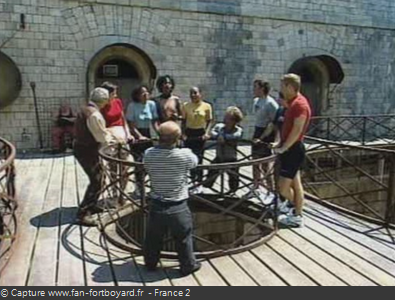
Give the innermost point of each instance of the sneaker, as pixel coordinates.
(291, 220)
(266, 198)
(254, 193)
(197, 190)
(284, 207)
(249, 195)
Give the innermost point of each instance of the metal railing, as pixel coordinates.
(225, 220)
(362, 129)
(8, 204)
(350, 166)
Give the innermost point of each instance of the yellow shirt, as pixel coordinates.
(197, 115)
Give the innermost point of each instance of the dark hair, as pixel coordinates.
(110, 87)
(161, 80)
(137, 92)
(263, 85)
(196, 87)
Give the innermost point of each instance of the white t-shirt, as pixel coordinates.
(265, 110)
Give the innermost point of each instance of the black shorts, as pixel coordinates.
(292, 160)
(261, 150)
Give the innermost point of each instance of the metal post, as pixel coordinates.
(33, 86)
(390, 211)
(364, 131)
(328, 128)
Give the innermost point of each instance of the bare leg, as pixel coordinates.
(257, 169)
(267, 170)
(298, 193)
(285, 188)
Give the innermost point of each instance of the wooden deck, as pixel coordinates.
(332, 249)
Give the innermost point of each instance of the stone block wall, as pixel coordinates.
(221, 46)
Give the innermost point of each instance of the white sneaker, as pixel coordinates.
(291, 220)
(266, 198)
(255, 193)
(249, 195)
(284, 207)
(197, 190)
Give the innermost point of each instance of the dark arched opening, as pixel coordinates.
(124, 65)
(318, 74)
(10, 81)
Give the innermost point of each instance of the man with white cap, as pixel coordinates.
(91, 134)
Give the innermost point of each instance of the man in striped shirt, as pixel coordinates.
(168, 168)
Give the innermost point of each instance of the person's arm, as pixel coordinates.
(237, 135)
(133, 129)
(209, 122)
(277, 136)
(272, 111)
(296, 131)
(193, 159)
(268, 131)
(155, 117)
(97, 127)
(215, 132)
(183, 121)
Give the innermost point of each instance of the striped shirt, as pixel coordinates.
(168, 169)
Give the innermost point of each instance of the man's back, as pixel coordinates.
(168, 169)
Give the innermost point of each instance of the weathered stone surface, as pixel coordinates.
(219, 45)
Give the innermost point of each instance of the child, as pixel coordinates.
(227, 135)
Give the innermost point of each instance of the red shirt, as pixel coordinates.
(113, 113)
(299, 107)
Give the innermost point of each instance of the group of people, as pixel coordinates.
(280, 128)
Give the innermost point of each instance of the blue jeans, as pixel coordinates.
(177, 218)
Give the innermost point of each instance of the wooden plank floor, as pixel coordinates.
(332, 249)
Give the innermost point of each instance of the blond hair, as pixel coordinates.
(293, 80)
(235, 113)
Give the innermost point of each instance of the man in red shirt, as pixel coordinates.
(292, 150)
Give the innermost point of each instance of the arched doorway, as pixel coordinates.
(124, 65)
(318, 74)
(10, 81)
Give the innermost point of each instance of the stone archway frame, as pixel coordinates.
(11, 72)
(321, 64)
(129, 53)
(331, 61)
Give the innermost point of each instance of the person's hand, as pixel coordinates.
(280, 150)
(131, 139)
(206, 137)
(257, 141)
(274, 145)
(184, 137)
(143, 138)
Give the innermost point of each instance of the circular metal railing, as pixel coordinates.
(226, 221)
(8, 203)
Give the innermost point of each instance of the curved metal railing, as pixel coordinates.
(226, 221)
(350, 166)
(8, 204)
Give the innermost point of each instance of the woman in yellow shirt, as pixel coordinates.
(197, 121)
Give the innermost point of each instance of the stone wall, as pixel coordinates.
(221, 46)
